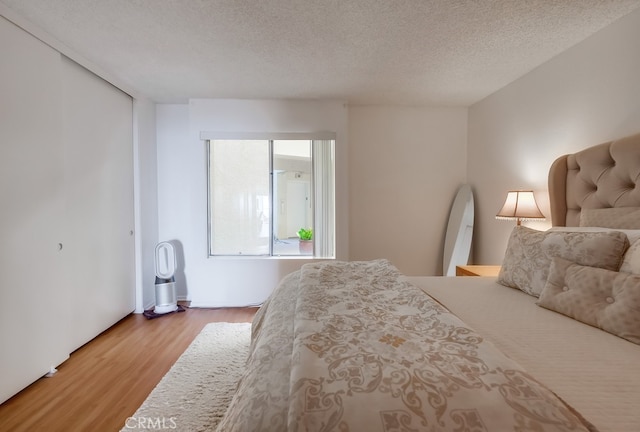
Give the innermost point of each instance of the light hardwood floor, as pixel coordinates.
(106, 380)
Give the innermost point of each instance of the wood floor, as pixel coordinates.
(106, 380)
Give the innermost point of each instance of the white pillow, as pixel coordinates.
(614, 217)
(602, 298)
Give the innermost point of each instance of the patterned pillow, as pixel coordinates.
(631, 260)
(616, 217)
(522, 259)
(632, 235)
(529, 253)
(602, 298)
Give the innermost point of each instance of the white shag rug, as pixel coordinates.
(195, 393)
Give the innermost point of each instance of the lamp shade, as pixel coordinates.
(520, 205)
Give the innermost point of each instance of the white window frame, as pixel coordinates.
(324, 215)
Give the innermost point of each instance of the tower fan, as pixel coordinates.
(166, 264)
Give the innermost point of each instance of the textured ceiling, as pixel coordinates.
(426, 52)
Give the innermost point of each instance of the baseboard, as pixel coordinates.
(205, 305)
(184, 301)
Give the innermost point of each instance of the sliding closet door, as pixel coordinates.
(33, 292)
(99, 201)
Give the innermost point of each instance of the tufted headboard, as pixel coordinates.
(599, 177)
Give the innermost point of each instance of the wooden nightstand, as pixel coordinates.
(478, 270)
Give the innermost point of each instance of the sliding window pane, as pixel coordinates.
(293, 197)
(240, 203)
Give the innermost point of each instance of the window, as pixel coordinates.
(263, 191)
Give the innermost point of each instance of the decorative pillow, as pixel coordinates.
(615, 217)
(602, 298)
(523, 256)
(529, 254)
(631, 259)
(632, 234)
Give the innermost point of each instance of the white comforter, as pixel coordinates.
(352, 347)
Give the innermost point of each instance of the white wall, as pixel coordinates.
(182, 191)
(146, 193)
(587, 95)
(405, 166)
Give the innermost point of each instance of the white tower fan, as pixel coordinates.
(165, 282)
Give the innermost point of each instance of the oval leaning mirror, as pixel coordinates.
(457, 243)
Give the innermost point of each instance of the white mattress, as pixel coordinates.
(593, 371)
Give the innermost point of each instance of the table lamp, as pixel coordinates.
(520, 205)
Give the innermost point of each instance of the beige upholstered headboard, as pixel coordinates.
(602, 176)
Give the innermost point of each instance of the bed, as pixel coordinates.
(551, 344)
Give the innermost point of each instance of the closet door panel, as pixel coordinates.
(33, 322)
(99, 201)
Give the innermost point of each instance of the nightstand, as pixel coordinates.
(478, 270)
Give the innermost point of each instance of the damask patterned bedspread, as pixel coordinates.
(349, 346)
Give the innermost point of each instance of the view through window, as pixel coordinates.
(271, 197)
